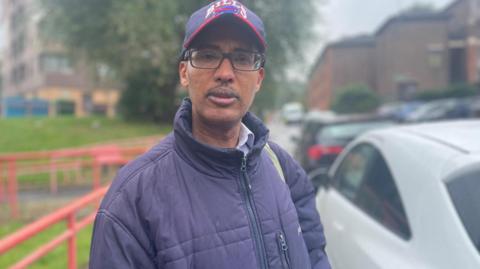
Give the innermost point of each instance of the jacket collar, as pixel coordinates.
(212, 160)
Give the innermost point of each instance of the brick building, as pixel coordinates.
(35, 67)
(407, 54)
(342, 63)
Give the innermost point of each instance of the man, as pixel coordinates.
(209, 195)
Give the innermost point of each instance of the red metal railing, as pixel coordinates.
(11, 165)
(67, 213)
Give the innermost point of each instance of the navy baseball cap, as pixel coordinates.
(224, 9)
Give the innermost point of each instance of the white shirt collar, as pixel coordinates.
(245, 139)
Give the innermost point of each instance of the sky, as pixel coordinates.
(350, 17)
(343, 18)
(1, 29)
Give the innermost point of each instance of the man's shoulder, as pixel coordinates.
(289, 165)
(152, 157)
(141, 171)
(281, 153)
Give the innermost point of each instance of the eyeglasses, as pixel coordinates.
(212, 59)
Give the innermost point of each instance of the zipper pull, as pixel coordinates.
(283, 242)
(243, 167)
(284, 249)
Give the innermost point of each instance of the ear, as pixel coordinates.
(182, 72)
(261, 75)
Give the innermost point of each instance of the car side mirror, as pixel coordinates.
(319, 178)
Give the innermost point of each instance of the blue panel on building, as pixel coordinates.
(21, 107)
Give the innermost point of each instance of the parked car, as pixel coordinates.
(292, 112)
(323, 137)
(405, 197)
(398, 111)
(475, 106)
(443, 109)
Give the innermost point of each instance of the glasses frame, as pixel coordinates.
(226, 55)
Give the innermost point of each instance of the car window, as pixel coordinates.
(351, 171)
(364, 178)
(309, 131)
(463, 190)
(344, 132)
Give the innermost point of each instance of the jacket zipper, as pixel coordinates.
(252, 215)
(283, 247)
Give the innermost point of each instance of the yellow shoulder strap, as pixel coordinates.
(275, 160)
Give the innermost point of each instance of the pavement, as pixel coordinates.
(282, 133)
(35, 203)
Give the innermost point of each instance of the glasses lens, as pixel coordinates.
(243, 60)
(206, 58)
(211, 59)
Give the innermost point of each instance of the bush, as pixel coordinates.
(453, 91)
(355, 99)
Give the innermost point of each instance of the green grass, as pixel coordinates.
(56, 258)
(34, 134)
(40, 179)
(43, 179)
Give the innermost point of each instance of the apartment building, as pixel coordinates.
(342, 63)
(407, 54)
(35, 67)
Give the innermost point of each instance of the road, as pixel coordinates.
(282, 134)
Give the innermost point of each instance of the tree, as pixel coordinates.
(141, 40)
(117, 33)
(355, 99)
(457, 90)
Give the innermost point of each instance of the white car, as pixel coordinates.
(405, 197)
(292, 112)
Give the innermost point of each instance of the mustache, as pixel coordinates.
(224, 92)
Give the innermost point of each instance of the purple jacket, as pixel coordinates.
(185, 204)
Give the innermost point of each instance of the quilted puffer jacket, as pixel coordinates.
(185, 204)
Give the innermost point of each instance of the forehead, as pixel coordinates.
(226, 34)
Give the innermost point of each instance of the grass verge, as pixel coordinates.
(56, 258)
(34, 134)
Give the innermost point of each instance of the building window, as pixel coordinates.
(18, 45)
(18, 74)
(50, 62)
(17, 19)
(407, 89)
(435, 57)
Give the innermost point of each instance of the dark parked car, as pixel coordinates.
(323, 137)
(443, 109)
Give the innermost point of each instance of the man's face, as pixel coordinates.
(222, 96)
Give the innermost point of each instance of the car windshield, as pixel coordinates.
(340, 134)
(292, 108)
(463, 191)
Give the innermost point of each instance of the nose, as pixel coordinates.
(225, 72)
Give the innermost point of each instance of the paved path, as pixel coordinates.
(36, 203)
(282, 133)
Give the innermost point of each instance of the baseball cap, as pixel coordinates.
(224, 9)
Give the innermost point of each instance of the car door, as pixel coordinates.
(336, 207)
(365, 223)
